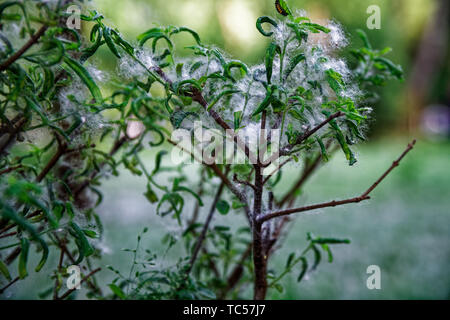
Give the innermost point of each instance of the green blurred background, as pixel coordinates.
(404, 229)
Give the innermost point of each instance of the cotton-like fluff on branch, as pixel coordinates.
(129, 68)
(337, 38)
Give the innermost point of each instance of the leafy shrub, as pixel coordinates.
(66, 126)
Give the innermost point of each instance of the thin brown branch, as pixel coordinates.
(309, 133)
(18, 125)
(116, 147)
(60, 263)
(10, 169)
(197, 96)
(205, 228)
(4, 65)
(9, 227)
(394, 165)
(69, 292)
(276, 170)
(246, 183)
(79, 148)
(287, 149)
(9, 285)
(259, 258)
(8, 235)
(334, 203)
(62, 245)
(238, 193)
(62, 147)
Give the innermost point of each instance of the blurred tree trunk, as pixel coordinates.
(430, 59)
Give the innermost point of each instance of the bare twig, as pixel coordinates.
(4, 65)
(309, 133)
(62, 245)
(238, 193)
(116, 147)
(334, 203)
(205, 228)
(9, 285)
(276, 170)
(10, 169)
(17, 126)
(60, 263)
(287, 149)
(8, 235)
(246, 183)
(62, 147)
(69, 292)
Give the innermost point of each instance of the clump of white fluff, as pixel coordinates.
(129, 68)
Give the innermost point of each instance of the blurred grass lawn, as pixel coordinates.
(404, 229)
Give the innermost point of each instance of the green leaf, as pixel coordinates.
(117, 291)
(315, 28)
(156, 34)
(330, 241)
(158, 160)
(270, 56)
(323, 149)
(45, 253)
(364, 38)
(304, 269)
(84, 247)
(335, 81)
(49, 79)
(90, 51)
(178, 86)
(289, 260)
(125, 45)
(221, 228)
(185, 189)
(222, 94)
(109, 41)
(317, 257)
(232, 65)
(8, 213)
(90, 233)
(279, 287)
(341, 139)
(5, 5)
(293, 63)
(150, 194)
(176, 203)
(4, 270)
(223, 207)
(237, 205)
(327, 249)
(23, 259)
(353, 127)
(237, 119)
(262, 20)
(177, 117)
(69, 210)
(394, 69)
(84, 75)
(192, 32)
(265, 103)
